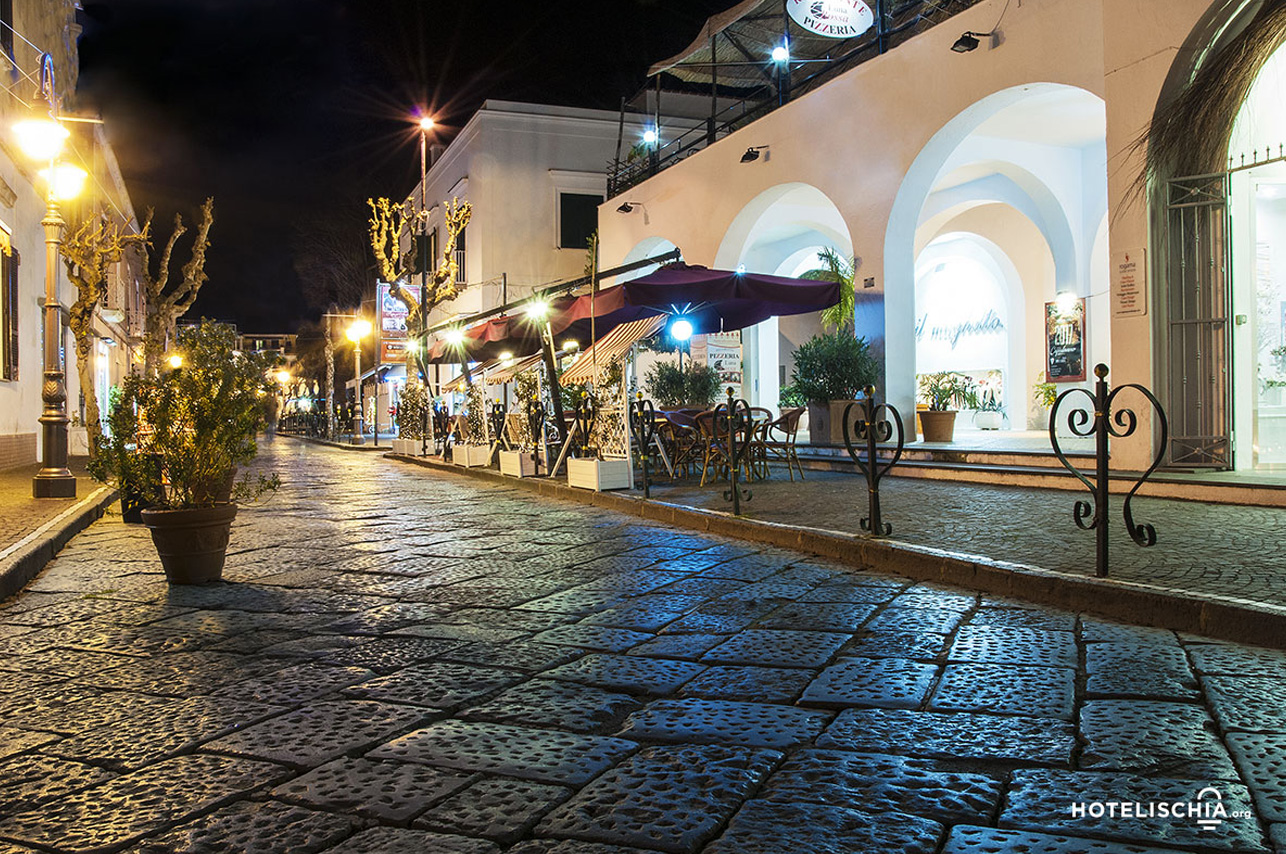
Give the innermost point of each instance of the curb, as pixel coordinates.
(23, 561)
(326, 443)
(1222, 617)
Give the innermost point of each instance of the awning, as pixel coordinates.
(505, 373)
(475, 373)
(611, 348)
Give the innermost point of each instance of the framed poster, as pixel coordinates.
(1065, 342)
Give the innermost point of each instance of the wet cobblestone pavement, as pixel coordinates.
(1214, 549)
(407, 661)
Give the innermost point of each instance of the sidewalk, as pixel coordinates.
(33, 530)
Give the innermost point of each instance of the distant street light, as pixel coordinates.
(41, 137)
(426, 124)
(358, 330)
(176, 361)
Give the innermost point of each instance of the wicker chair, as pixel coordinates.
(779, 440)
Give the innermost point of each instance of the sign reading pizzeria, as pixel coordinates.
(836, 19)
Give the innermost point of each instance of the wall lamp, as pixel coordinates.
(628, 207)
(969, 41)
(752, 153)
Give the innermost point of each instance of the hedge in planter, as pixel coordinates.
(833, 367)
(671, 388)
(195, 424)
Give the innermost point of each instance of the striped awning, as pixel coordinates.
(476, 373)
(505, 373)
(611, 348)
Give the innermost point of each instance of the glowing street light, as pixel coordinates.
(42, 138)
(176, 361)
(681, 331)
(356, 331)
(283, 377)
(537, 309)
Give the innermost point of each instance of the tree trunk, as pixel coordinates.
(331, 432)
(85, 370)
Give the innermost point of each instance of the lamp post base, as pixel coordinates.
(53, 483)
(359, 432)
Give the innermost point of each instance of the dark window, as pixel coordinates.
(6, 27)
(460, 275)
(9, 313)
(577, 219)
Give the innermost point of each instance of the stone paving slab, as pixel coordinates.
(495, 808)
(891, 683)
(553, 704)
(988, 840)
(398, 840)
(320, 732)
(885, 784)
(545, 756)
(964, 735)
(1261, 758)
(1046, 692)
(127, 807)
(699, 721)
(770, 828)
(635, 674)
(777, 648)
(390, 791)
(1139, 670)
(262, 827)
(665, 798)
(1173, 740)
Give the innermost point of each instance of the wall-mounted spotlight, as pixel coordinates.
(628, 207)
(752, 153)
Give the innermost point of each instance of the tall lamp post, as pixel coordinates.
(41, 138)
(426, 125)
(356, 332)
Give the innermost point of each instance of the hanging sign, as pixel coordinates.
(836, 19)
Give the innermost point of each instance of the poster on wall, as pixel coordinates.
(1129, 283)
(1065, 340)
(722, 352)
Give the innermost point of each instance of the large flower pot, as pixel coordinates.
(938, 426)
(192, 543)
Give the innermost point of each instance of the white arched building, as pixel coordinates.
(980, 191)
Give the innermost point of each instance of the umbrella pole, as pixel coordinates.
(555, 390)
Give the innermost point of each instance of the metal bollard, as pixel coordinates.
(1106, 424)
(871, 428)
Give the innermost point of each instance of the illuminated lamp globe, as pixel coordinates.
(780, 53)
(40, 139)
(571, 344)
(426, 124)
(359, 330)
(66, 182)
(1065, 303)
(283, 377)
(681, 329)
(176, 361)
(650, 137)
(537, 309)
(455, 337)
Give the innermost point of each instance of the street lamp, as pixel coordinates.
(356, 332)
(42, 137)
(426, 124)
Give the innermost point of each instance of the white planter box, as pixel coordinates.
(599, 475)
(520, 464)
(78, 441)
(399, 446)
(471, 456)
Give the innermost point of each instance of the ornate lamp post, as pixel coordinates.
(42, 138)
(356, 332)
(426, 124)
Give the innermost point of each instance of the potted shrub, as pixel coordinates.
(941, 391)
(991, 411)
(830, 371)
(412, 408)
(194, 425)
(693, 387)
(121, 460)
(1043, 394)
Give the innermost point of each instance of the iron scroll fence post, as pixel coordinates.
(872, 426)
(536, 429)
(643, 426)
(733, 419)
(586, 415)
(497, 416)
(1106, 424)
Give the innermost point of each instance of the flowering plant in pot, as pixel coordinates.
(195, 424)
(941, 391)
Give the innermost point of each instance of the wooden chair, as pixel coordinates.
(779, 440)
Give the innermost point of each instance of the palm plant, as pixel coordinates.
(837, 269)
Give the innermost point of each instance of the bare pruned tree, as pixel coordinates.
(332, 260)
(166, 304)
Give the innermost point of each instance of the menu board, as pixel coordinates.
(1065, 342)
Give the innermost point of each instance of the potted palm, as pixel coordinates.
(830, 372)
(941, 391)
(193, 425)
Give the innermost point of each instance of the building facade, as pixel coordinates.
(37, 28)
(996, 204)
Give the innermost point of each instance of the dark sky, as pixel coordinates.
(289, 109)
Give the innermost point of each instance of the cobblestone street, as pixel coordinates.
(410, 661)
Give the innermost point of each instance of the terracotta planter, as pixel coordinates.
(938, 426)
(192, 543)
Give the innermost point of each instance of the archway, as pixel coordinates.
(1024, 167)
(780, 232)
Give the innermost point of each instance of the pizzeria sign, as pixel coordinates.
(836, 19)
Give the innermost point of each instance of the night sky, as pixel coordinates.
(286, 110)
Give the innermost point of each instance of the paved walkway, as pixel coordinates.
(407, 661)
(20, 514)
(1218, 549)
